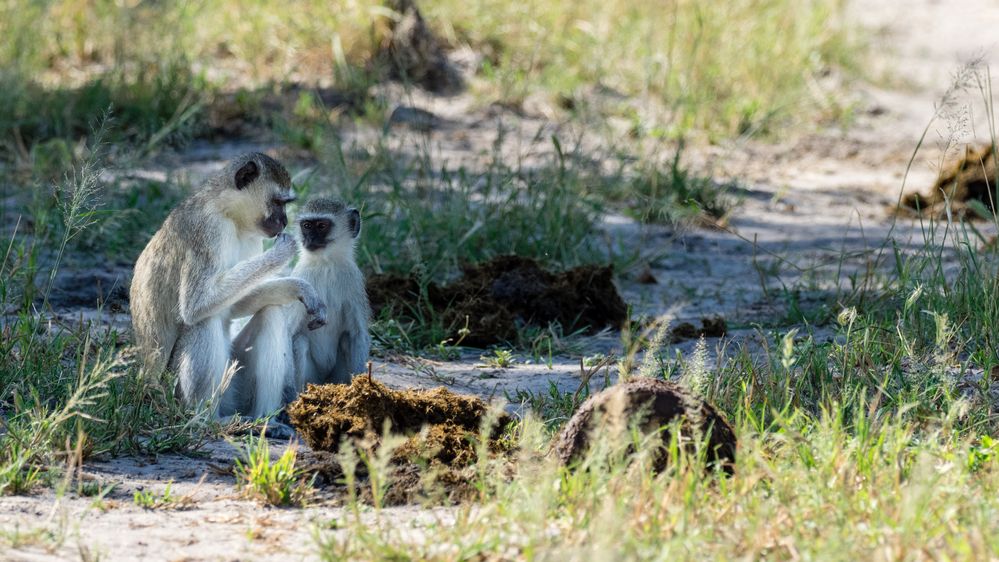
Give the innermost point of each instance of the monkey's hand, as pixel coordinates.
(316, 311)
(284, 248)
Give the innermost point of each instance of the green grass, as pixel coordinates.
(868, 446)
(149, 499)
(271, 481)
(710, 66)
(70, 392)
(831, 487)
(448, 216)
(670, 193)
(700, 67)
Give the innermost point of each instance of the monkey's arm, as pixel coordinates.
(203, 295)
(280, 292)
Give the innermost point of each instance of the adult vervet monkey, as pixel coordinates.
(206, 265)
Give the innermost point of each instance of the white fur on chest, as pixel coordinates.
(239, 249)
(237, 246)
(247, 247)
(338, 286)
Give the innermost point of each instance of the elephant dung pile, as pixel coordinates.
(440, 430)
(653, 405)
(492, 298)
(964, 184)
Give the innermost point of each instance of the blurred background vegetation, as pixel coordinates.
(722, 68)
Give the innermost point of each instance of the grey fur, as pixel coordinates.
(323, 206)
(205, 266)
(279, 350)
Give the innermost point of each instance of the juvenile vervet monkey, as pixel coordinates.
(278, 352)
(206, 265)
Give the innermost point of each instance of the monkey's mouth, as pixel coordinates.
(313, 246)
(271, 228)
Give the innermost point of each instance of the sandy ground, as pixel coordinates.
(812, 212)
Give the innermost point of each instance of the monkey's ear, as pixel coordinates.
(354, 221)
(246, 174)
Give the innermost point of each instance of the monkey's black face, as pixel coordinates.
(276, 219)
(316, 233)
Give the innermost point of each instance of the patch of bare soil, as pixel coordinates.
(964, 182)
(493, 297)
(653, 405)
(441, 430)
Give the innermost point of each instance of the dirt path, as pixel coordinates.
(812, 206)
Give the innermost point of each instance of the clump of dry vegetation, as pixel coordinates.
(416, 445)
(965, 187)
(491, 301)
(438, 424)
(653, 406)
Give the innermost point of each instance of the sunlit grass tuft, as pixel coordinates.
(272, 481)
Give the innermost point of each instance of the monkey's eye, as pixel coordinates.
(306, 225)
(322, 226)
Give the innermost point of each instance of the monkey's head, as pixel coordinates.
(253, 191)
(328, 227)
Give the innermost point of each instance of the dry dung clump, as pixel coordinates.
(441, 429)
(325, 415)
(495, 296)
(711, 327)
(971, 178)
(407, 482)
(658, 404)
(413, 53)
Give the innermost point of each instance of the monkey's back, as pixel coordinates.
(154, 294)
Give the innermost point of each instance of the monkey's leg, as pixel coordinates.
(200, 359)
(352, 355)
(264, 348)
(304, 371)
(237, 396)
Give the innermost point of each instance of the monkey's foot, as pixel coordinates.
(278, 430)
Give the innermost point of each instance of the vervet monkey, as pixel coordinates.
(278, 351)
(206, 265)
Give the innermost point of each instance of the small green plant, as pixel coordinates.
(17, 474)
(94, 488)
(449, 349)
(982, 454)
(673, 194)
(274, 482)
(554, 405)
(547, 342)
(98, 491)
(500, 359)
(148, 499)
